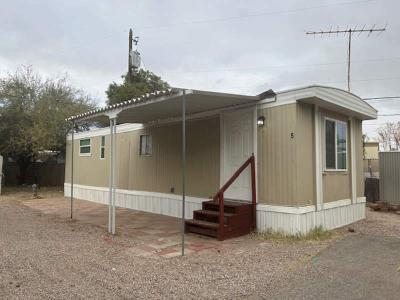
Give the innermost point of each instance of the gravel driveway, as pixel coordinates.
(43, 256)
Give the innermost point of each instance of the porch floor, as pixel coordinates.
(151, 234)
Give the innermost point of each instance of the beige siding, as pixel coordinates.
(161, 171)
(305, 155)
(88, 170)
(277, 156)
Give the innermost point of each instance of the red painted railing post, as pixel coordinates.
(253, 191)
(221, 216)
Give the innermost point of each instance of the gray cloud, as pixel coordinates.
(190, 46)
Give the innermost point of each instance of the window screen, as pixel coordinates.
(145, 145)
(341, 145)
(330, 159)
(335, 145)
(84, 147)
(102, 147)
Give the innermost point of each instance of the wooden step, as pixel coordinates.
(202, 227)
(213, 216)
(229, 206)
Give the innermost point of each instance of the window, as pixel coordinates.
(335, 145)
(84, 147)
(102, 147)
(145, 145)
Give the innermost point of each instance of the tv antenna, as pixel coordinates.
(348, 31)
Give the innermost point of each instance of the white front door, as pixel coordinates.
(237, 147)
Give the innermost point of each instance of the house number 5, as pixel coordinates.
(292, 135)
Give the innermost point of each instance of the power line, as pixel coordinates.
(382, 98)
(232, 18)
(282, 66)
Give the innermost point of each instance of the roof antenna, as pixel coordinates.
(350, 31)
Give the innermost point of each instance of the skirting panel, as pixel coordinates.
(303, 222)
(158, 203)
(290, 220)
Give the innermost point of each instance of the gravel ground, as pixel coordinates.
(47, 257)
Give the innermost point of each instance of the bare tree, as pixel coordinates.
(389, 135)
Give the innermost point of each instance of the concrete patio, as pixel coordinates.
(155, 235)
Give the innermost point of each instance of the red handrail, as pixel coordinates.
(220, 194)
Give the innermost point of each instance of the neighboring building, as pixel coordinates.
(307, 144)
(371, 159)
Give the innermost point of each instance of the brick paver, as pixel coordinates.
(156, 235)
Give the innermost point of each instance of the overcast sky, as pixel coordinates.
(232, 46)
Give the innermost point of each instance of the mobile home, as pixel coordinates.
(303, 148)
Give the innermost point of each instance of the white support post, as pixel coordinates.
(72, 167)
(113, 152)
(110, 192)
(318, 160)
(114, 144)
(183, 167)
(353, 162)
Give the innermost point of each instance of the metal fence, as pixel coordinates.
(389, 173)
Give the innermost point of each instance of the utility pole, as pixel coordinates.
(130, 56)
(349, 32)
(133, 56)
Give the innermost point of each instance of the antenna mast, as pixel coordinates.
(349, 32)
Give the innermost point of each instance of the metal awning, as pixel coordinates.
(165, 105)
(168, 104)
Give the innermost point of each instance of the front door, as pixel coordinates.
(237, 147)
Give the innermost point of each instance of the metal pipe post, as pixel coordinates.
(110, 179)
(114, 144)
(183, 167)
(72, 166)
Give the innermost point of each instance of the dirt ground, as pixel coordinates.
(45, 256)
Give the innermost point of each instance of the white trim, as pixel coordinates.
(337, 203)
(286, 209)
(325, 96)
(90, 146)
(318, 159)
(290, 220)
(336, 121)
(127, 127)
(255, 147)
(353, 161)
(221, 149)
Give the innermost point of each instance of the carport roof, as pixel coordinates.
(167, 104)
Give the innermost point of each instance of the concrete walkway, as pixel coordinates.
(156, 235)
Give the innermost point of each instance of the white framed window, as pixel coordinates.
(85, 147)
(335, 145)
(146, 145)
(102, 147)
